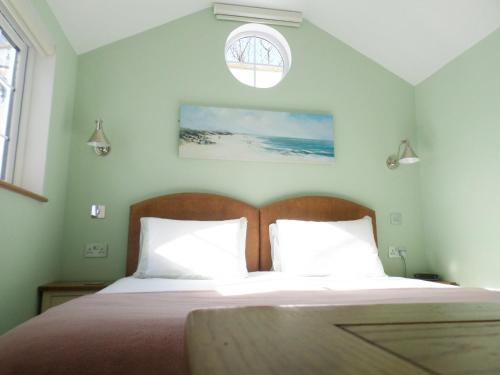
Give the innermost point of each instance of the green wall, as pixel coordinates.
(31, 232)
(458, 112)
(136, 85)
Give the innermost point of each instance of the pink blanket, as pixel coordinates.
(143, 333)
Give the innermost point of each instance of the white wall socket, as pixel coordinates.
(393, 252)
(96, 250)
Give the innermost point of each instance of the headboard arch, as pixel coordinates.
(315, 208)
(193, 206)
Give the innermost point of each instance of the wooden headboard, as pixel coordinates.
(202, 206)
(307, 208)
(193, 206)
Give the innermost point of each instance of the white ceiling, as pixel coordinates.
(411, 38)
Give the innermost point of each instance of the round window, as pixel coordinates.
(258, 55)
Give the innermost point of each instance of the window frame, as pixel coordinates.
(16, 120)
(268, 38)
(261, 31)
(31, 158)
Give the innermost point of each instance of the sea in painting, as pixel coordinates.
(255, 135)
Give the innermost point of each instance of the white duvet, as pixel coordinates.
(262, 282)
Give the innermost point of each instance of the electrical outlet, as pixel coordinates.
(393, 252)
(96, 250)
(397, 252)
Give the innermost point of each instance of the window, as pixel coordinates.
(13, 59)
(257, 55)
(27, 69)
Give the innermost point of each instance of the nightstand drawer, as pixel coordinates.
(57, 293)
(51, 299)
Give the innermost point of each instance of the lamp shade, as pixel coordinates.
(98, 138)
(408, 156)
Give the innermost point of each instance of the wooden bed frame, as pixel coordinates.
(146, 331)
(204, 206)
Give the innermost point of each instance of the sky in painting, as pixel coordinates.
(254, 122)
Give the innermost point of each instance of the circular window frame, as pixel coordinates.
(270, 35)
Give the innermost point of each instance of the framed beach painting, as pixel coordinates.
(254, 135)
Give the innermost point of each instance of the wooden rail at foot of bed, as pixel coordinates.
(427, 338)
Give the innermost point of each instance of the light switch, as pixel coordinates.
(396, 218)
(98, 211)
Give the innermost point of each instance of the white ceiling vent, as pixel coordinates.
(257, 15)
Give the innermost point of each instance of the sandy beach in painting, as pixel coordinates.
(255, 135)
(228, 146)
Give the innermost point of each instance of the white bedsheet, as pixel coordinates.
(262, 282)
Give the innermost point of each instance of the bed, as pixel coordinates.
(136, 326)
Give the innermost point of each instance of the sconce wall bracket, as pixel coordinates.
(392, 162)
(408, 156)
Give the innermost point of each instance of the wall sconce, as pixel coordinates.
(101, 145)
(408, 156)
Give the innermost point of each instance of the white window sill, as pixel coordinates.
(20, 190)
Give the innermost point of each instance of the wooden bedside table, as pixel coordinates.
(56, 293)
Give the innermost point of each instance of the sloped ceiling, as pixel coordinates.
(411, 38)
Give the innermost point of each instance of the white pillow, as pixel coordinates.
(186, 249)
(273, 237)
(343, 249)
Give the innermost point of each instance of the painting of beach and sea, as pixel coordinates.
(244, 134)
